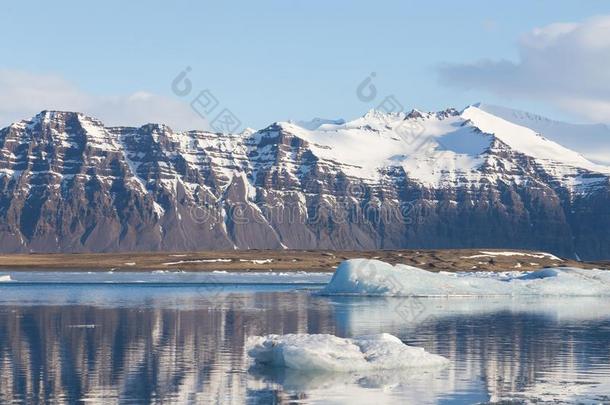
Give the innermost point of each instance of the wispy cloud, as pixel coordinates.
(564, 64)
(23, 94)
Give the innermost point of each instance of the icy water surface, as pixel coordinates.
(139, 342)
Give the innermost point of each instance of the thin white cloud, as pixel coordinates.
(563, 64)
(24, 94)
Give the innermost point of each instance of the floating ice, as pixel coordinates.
(331, 353)
(4, 278)
(285, 279)
(373, 277)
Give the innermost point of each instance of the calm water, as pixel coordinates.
(185, 343)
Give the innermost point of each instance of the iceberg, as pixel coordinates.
(377, 278)
(330, 353)
(5, 278)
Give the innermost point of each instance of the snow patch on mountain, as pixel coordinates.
(592, 140)
(369, 144)
(439, 149)
(528, 141)
(435, 149)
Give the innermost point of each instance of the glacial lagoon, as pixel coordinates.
(155, 338)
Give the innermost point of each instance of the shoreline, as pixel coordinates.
(312, 261)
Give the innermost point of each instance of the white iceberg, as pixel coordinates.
(5, 278)
(377, 278)
(323, 352)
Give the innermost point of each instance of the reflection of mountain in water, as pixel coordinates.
(65, 353)
(544, 349)
(192, 349)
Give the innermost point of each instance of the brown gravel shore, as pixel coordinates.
(290, 260)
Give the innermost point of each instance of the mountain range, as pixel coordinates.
(482, 177)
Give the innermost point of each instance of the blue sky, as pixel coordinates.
(271, 60)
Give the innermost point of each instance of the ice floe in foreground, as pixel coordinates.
(374, 277)
(331, 353)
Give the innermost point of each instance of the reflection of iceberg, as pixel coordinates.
(357, 315)
(373, 277)
(318, 379)
(405, 386)
(331, 353)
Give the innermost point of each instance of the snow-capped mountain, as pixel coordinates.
(592, 140)
(400, 180)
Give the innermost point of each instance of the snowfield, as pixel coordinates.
(541, 255)
(441, 149)
(377, 278)
(331, 353)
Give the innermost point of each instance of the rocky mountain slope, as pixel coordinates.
(383, 181)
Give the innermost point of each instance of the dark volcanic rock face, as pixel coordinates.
(69, 184)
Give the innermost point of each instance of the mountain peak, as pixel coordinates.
(591, 140)
(415, 113)
(527, 141)
(47, 115)
(62, 117)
